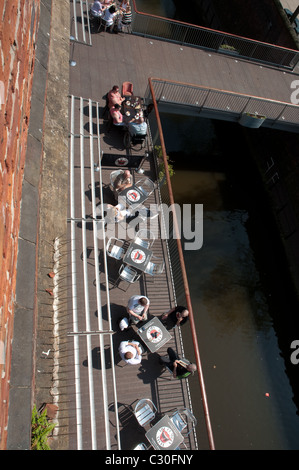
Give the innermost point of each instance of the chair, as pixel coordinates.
(126, 273)
(115, 248)
(127, 89)
(153, 269)
(146, 186)
(136, 139)
(178, 420)
(113, 176)
(144, 238)
(145, 411)
(140, 446)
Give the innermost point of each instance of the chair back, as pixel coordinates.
(144, 238)
(153, 269)
(182, 417)
(145, 411)
(127, 89)
(146, 185)
(115, 248)
(126, 273)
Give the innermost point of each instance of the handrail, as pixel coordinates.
(184, 276)
(211, 39)
(207, 98)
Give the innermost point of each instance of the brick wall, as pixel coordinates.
(18, 29)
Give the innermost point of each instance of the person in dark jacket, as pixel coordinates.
(180, 368)
(177, 316)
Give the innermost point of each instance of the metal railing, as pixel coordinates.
(197, 36)
(211, 100)
(85, 148)
(183, 272)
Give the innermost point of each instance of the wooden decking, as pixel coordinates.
(111, 60)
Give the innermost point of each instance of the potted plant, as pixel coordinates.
(252, 120)
(161, 167)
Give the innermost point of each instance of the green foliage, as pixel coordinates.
(40, 429)
(161, 167)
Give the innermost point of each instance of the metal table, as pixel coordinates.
(164, 435)
(132, 196)
(154, 334)
(137, 256)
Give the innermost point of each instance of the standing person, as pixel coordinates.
(138, 308)
(109, 17)
(176, 316)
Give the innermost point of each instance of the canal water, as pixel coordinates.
(245, 310)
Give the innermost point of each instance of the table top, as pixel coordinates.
(137, 256)
(164, 435)
(132, 196)
(154, 334)
(132, 106)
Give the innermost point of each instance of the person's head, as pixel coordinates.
(142, 301)
(112, 9)
(127, 174)
(128, 355)
(128, 8)
(115, 88)
(183, 314)
(191, 368)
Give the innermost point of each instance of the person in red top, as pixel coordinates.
(114, 97)
(117, 116)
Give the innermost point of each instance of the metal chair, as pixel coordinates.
(144, 238)
(140, 446)
(127, 89)
(115, 248)
(113, 176)
(153, 269)
(126, 273)
(145, 411)
(178, 420)
(146, 186)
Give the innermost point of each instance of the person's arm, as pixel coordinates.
(165, 315)
(134, 314)
(174, 372)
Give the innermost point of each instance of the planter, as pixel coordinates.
(253, 121)
(228, 50)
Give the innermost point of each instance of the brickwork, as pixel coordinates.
(18, 30)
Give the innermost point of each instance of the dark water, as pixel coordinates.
(244, 307)
(244, 311)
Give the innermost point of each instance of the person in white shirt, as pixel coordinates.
(138, 308)
(130, 352)
(96, 9)
(109, 17)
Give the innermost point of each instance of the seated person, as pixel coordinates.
(176, 316)
(122, 181)
(109, 17)
(137, 308)
(114, 97)
(180, 368)
(117, 117)
(96, 9)
(137, 126)
(116, 213)
(130, 352)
